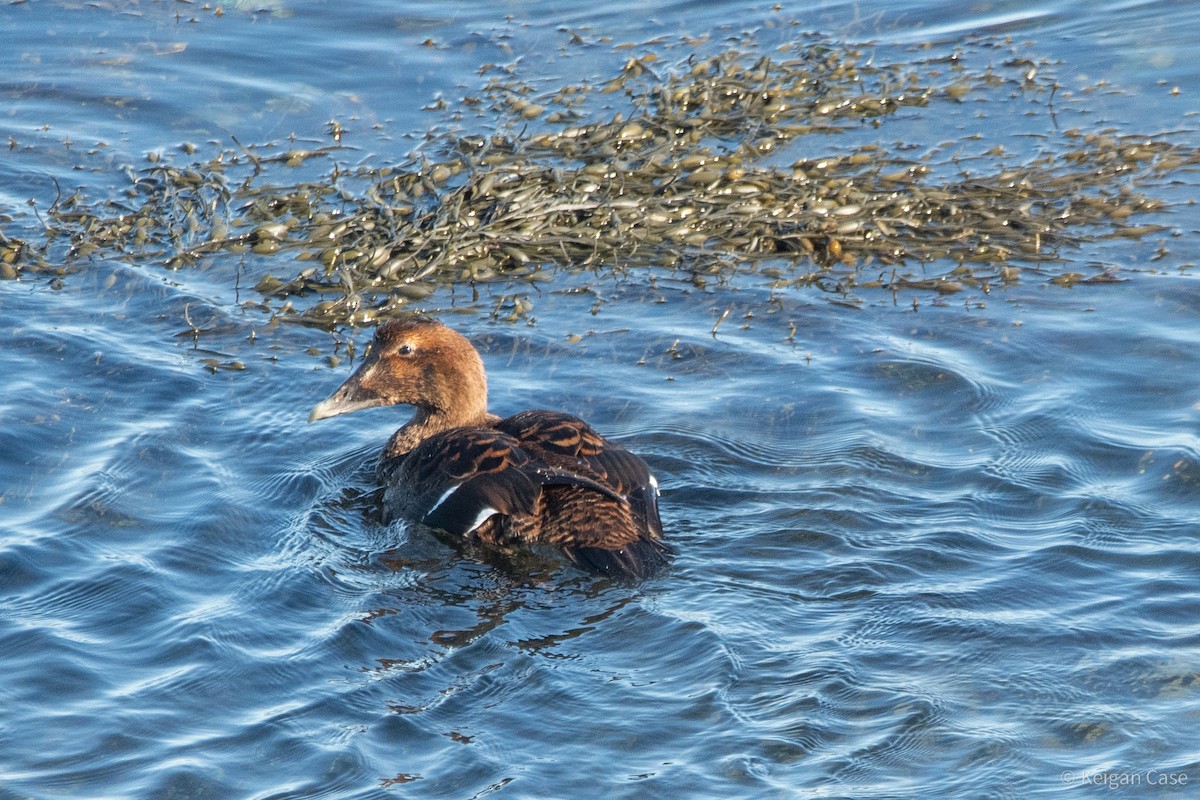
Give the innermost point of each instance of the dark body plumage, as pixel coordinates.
(535, 477)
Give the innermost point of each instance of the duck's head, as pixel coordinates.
(420, 362)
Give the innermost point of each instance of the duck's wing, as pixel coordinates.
(458, 479)
(603, 536)
(570, 444)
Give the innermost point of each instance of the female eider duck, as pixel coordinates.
(535, 477)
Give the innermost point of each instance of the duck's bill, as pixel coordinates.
(348, 397)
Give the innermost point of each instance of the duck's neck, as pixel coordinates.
(428, 421)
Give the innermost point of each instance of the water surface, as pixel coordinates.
(926, 547)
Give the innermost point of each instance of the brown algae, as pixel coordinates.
(695, 173)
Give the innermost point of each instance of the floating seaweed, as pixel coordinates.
(695, 173)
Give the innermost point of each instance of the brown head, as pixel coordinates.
(416, 361)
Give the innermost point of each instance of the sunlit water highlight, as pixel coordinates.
(938, 551)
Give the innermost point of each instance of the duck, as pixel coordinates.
(534, 478)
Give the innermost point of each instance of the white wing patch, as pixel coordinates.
(445, 496)
(484, 514)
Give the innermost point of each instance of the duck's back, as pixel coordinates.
(570, 443)
(538, 476)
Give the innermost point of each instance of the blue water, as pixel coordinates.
(926, 547)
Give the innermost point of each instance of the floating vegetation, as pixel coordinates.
(691, 166)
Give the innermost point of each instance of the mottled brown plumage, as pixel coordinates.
(536, 477)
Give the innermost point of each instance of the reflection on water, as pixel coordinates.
(938, 551)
